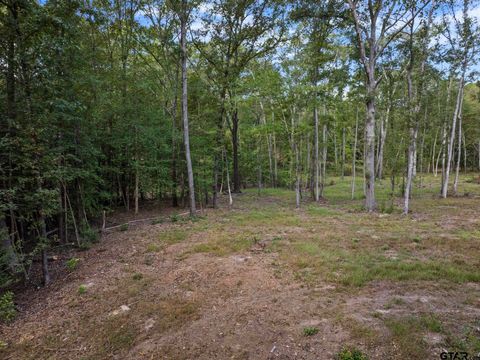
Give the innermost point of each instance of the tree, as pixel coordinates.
(462, 52)
(376, 24)
(238, 32)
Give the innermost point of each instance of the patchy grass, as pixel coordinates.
(173, 236)
(407, 333)
(153, 248)
(351, 354)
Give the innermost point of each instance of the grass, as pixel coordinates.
(351, 354)
(310, 331)
(336, 243)
(408, 333)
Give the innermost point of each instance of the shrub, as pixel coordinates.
(7, 307)
(124, 227)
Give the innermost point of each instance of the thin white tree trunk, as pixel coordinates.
(456, 114)
(343, 152)
(354, 155)
(324, 160)
(459, 156)
(316, 157)
(186, 136)
(230, 199)
(297, 177)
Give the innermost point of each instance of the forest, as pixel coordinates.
(164, 157)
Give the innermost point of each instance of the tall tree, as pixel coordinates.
(376, 23)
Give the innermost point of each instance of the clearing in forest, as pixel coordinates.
(264, 280)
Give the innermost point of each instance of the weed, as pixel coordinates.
(153, 248)
(310, 331)
(85, 245)
(88, 234)
(72, 263)
(351, 354)
(82, 289)
(137, 276)
(7, 307)
(124, 227)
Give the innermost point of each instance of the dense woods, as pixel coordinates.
(108, 104)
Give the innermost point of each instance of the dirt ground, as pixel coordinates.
(249, 282)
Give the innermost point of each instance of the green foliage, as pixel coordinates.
(7, 307)
(351, 354)
(310, 331)
(88, 234)
(82, 289)
(175, 218)
(72, 263)
(123, 227)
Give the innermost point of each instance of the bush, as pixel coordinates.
(124, 227)
(7, 307)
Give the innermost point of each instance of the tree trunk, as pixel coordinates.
(43, 232)
(370, 203)
(316, 158)
(459, 156)
(343, 152)
(324, 160)
(354, 155)
(410, 166)
(236, 170)
(297, 178)
(230, 199)
(186, 136)
(136, 191)
(174, 145)
(275, 157)
(456, 114)
(433, 155)
(381, 145)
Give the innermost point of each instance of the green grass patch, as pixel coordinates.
(173, 236)
(153, 248)
(354, 268)
(310, 331)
